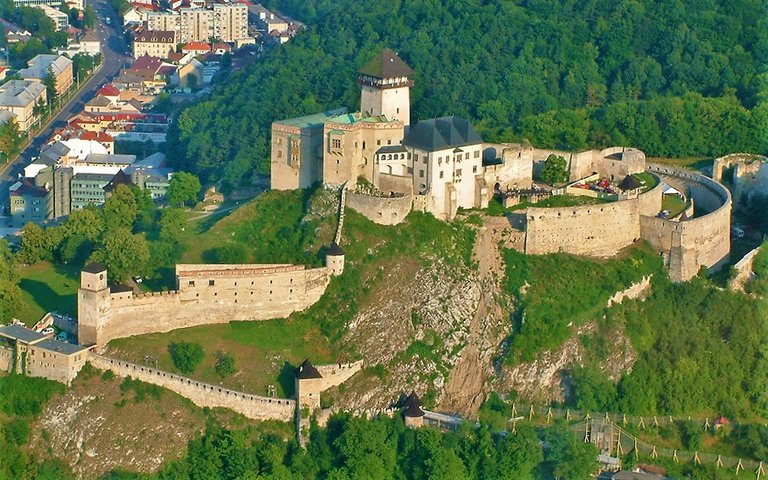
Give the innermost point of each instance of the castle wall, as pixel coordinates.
(743, 269)
(515, 171)
(202, 394)
(700, 241)
(394, 183)
(6, 359)
(349, 149)
(649, 203)
(381, 210)
(207, 294)
(593, 230)
(296, 156)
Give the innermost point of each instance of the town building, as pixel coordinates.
(78, 4)
(21, 97)
(60, 19)
(27, 352)
(28, 202)
(43, 65)
(230, 21)
(154, 43)
(164, 21)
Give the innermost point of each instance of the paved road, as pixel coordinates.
(113, 52)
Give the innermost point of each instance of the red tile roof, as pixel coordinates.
(101, 137)
(196, 47)
(108, 90)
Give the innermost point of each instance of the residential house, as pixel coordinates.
(154, 43)
(196, 48)
(3, 72)
(42, 65)
(153, 72)
(132, 16)
(20, 97)
(190, 75)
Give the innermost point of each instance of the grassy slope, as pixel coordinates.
(46, 288)
(265, 351)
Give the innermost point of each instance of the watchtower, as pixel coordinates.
(309, 384)
(385, 87)
(92, 303)
(334, 259)
(413, 415)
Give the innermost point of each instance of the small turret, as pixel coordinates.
(93, 304)
(412, 412)
(334, 259)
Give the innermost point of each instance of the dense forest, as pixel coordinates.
(672, 78)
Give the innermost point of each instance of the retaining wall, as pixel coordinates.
(381, 210)
(743, 269)
(202, 394)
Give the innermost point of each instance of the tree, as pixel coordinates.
(225, 364)
(183, 189)
(36, 245)
(555, 170)
(10, 294)
(89, 17)
(566, 456)
(10, 138)
(123, 253)
(120, 209)
(50, 86)
(186, 356)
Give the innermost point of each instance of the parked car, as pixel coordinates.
(737, 232)
(48, 331)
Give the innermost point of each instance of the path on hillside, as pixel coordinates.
(467, 385)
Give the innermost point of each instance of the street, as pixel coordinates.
(113, 50)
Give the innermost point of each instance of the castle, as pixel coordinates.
(440, 165)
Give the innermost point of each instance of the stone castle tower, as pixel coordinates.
(385, 87)
(93, 303)
(334, 259)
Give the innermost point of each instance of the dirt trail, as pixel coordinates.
(467, 385)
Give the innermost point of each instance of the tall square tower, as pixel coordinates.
(385, 87)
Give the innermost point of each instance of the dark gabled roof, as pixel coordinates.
(20, 333)
(60, 347)
(630, 182)
(120, 178)
(392, 149)
(94, 267)
(307, 371)
(413, 406)
(386, 65)
(442, 134)
(335, 250)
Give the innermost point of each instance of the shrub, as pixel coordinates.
(186, 356)
(225, 364)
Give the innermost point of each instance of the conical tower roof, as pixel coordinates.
(307, 371)
(386, 65)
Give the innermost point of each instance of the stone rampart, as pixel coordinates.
(205, 296)
(514, 170)
(594, 230)
(649, 203)
(695, 242)
(743, 270)
(202, 394)
(750, 173)
(381, 210)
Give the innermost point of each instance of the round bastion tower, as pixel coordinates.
(334, 259)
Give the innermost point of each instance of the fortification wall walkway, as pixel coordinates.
(202, 394)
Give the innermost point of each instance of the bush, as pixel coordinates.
(16, 431)
(20, 395)
(225, 364)
(186, 356)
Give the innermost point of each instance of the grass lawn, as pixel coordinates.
(47, 288)
(673, 203)
(693, 163)
(649, 181)
(265, 352)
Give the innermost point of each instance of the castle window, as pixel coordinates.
(336, 143)
(398, 110)
(415, 157)
(421, 173)
(378, 142)
(474, 169)
(466, 156)
(191, 283)
(235, 283)
(458, 172)
(441, 174)
(211, 283)
(410, 170)
(363, 145)
(477, 153)
(389, 142)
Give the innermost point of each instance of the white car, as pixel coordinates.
(48, 331)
